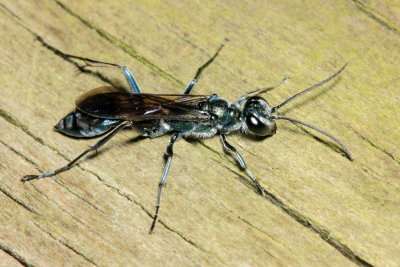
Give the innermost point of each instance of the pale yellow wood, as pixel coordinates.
(325, 210)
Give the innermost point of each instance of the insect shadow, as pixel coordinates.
(107, 110)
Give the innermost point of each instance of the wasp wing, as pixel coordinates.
(108, 103)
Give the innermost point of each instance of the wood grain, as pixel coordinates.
(321, 208)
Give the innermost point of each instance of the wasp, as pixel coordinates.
(107, 110)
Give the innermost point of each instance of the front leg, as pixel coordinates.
(242, 164)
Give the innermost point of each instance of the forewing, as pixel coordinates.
(109, 104)
(96, 91)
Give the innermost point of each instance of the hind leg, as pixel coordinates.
(72, 162)
(94, 63)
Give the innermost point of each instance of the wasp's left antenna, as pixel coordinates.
(308, 89)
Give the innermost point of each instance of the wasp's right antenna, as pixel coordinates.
(346, 151)
(259, 91)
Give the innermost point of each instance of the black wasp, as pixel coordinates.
(108, 110)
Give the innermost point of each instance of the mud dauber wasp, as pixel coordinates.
(108, 110)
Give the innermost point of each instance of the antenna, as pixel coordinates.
(308, 89)
(348, 154)
(259, 91)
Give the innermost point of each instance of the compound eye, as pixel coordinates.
(257, 127)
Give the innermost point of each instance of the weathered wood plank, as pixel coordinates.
(99, 213)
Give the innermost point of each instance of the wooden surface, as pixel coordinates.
(321, 209)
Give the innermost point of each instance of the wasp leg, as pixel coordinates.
(242, 164)
(193, 82)
(71, 163)
(128, 75)
(94, 63)
(169, 153)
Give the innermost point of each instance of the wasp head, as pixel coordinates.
(257, 117)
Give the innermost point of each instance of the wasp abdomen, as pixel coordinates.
(81, 125)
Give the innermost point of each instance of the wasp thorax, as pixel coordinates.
(256, 114)
(218, 108)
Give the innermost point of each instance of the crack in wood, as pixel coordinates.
(16, 200)
(376, 16)
(41, 192)
(125, 47)
(305, 221)
(64, 243)
(81, 68)
(78, 196)
(41, 170)
(325, 235)
(16, 123)
(126, 196)
(64, 210)
(15, 255)
(362, 137)
(390, 155)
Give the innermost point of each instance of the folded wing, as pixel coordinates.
(110, 103)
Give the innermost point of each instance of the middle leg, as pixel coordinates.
(169, 153)
(193, 82)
